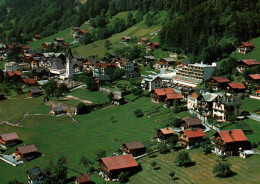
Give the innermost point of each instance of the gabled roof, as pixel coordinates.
(84, 31)
(192, 121)
(173, 96)
(9, 136)
(134, 145)
(169, 59)
(29, 81)
(164, 91)
(58, 39)
(168, 130)
(35, 172)
(250, 62)
(35, 90)
(81, 179)
(57, 66)
(149, 57)
(27, 149)
(232, 135)
(255, 76)
(194, 133)
(11, 74)
(238, 85)
(119, 162)
(221, 79)
(127, 37)
(247, 44)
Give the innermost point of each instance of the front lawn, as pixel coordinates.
(251, 105)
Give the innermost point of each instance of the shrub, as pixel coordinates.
(138, 113)
(222, 169)
(183, 158)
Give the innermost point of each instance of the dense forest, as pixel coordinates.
(208, 29)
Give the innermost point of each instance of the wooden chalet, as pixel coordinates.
(245, 47)
(246, 63)
(83, 179)
(219, 82)
(171, 97)
(254, 79)
(191, 138)
(142, 41)
(257, 91)
(191, 123)
(34, 92)
(148, 59)
(14, 74)
(230, 142)
(59, 40)
(134, 148)
(37, 37)
(165, 133)
(113, 166)
(26, 152)
(29, 81)
(236, 87)
(75, 29)
(126, 39)
(45, 45)
(162, 64)
(9, 139)
(159, 95)
(152, 45)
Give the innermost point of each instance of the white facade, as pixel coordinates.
(151, 83)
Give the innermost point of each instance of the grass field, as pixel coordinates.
(64, 34)
(251, 105)
(247, 170)
(254, 54)
(2, 65)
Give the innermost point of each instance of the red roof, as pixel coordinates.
(173, 96)
(168, 130)
(232, 135)
(164, 91)
(25, 47)
(105, 65)
(194, 133)
(27, 149)
(37, 36)
(221, 79)
(85, 31)
(66, 44)
(29, 81)
(156, 43)
(239, 85)
(247, 44)
(119, 162)
(10, 74)
(255, 76)
(250, 62)
(84, 178)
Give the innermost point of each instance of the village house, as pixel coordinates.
(148, 59)
(37, 37)
(181, 64)
(126, 39)
(81, 34)
(9, 139)
(152, 45)
(26, 152)
(254, 79)
(34, 92)
(58, 40)
(29, 81)
(36, 175)
(165, 133)
(83, 179)
(113, 166)
(236, 87)
(134, 148)
(170, 61)
(160, 95)
(257, 91)
(191, 138)
(225, 108)
(104, 71)
(163, 64)
(245, 47)
(194, 74)
(192, 98)
(242, 65)
(142, 41)
(219, 82)
(230, 142)
(171, 97)
(45, 45)
(16, 74)
(191, 123)
(13, 66)
(88, 63)
(151, 82)
(75, 29)
(125, 64)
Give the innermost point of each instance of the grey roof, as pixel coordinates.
(149, 57)
(186, 62)
(35, 90)
(169, 59)
(37, 51)
(35, 172)
(57, 66)
(209, 97)
(58, 109)
(230, 101)
(79, 57)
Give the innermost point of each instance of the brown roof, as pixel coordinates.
(239, 85)
(119, 162)
(168, 130)
(10, 74)
(250, 62)
(192, 121)
(29, 81)
(194, 133)
(9, 136)
(164, 91)
(84, 31)
(247, 44)
(134, 145)
(27, 149)
(255, 76)
(232, 135)
(221, 79)
(173, 96)
(81, 179)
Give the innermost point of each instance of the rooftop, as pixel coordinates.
(232, 135)
(194, 133)
(9, 136)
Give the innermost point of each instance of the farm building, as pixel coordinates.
(9, 139)
(191, 123)
(113, 166)
(191, 138)
(83, 179)
(165, 133)
(34, 92)
(135, 148)
(26, 152)
(245, 47)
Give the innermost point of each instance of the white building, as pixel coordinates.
(151, 82)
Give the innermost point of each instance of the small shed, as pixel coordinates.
(135, 148)
(9, 139)
(26, 152)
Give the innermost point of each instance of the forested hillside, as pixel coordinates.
(209, 30)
